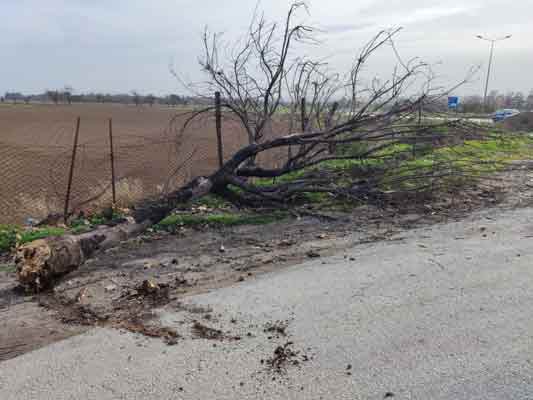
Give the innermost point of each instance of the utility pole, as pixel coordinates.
(491, 56)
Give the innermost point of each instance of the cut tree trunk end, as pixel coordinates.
(42, 262)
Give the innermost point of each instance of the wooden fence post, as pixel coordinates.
(218, 118)
(71, 172)
(112, 159)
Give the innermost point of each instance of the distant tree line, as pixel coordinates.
(67, 96)
(468, 104)
(497, 100)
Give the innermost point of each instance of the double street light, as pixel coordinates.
(492, 42)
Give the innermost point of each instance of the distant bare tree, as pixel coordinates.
(173, 99)
(67, 94)
(150, 99)
(136, 98)
(529, 101)
(518, 100)
(53, 95)
(14, 96)
(474, 104)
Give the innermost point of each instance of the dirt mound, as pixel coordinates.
(522, 122)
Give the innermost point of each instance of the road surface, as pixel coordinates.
(444, 312)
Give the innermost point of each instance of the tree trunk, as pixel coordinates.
(42, 262)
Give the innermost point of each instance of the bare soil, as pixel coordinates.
(121, 287)
(152, 154)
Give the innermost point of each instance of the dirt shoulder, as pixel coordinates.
(121, 287)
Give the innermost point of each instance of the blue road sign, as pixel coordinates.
(453, 102)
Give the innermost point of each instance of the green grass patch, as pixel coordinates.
(212, 201)
(404, 167)
(86, 224)
(8, 237)
(470, 160)
(79, 229)
(11, 235)
(40, 233)
(219, 219)
(331, 165)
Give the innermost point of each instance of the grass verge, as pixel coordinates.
(219, 219)
(11, 235)
(401, 167)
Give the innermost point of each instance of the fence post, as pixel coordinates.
(71, 172)
(112, 159)
(419, 123)
(303, 117)
(218, 118)
(303, 122)
(332, 147)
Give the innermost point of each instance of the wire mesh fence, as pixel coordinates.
(35, 160)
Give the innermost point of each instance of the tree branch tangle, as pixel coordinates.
(329, 117)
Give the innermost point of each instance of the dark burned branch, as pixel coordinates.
(254, 97)
(155, 211)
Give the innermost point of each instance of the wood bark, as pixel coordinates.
(42, 262)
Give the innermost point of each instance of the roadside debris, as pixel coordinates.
(205, 332)
(283, 357)
(110, 288)
(279, 328)
(136, 325)
(151, 289)
(287, 243)
(148, 287)
(313, 254)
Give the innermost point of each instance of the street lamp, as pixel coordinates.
(492, 41)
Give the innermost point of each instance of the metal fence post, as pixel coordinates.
(303, 117)
(332, 147)
(218, 118)
(71, 172)
(112, 159)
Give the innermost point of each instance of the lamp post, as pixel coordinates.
(492, 42)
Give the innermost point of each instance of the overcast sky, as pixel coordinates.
(123, 45)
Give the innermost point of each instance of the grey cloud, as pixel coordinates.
(343, 28)
(124, 44)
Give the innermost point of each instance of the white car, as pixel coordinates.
(500, 115)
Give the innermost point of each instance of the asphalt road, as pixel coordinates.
(439, 313)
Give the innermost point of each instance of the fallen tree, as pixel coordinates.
(40, 263)
(330, 118)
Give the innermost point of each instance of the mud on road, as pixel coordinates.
(121, 287)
